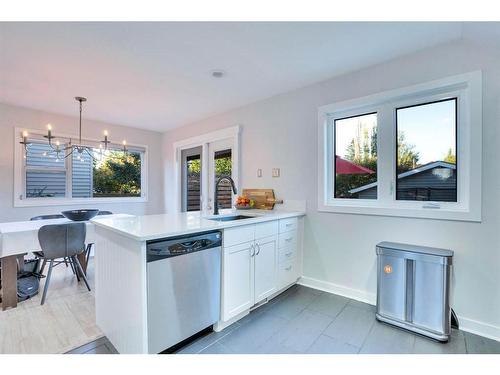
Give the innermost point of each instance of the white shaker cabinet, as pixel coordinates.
(266, 267)
(238, 279)
(250, 269)
(288, 257)
(259, 260)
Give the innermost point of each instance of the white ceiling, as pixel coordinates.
(157, 75)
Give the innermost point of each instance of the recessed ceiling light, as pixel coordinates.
(217, 73)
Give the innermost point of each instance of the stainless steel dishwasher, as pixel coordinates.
(183, 281)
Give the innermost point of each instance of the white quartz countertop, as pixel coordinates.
(150, 227)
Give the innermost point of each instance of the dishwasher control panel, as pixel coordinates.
(175, 246)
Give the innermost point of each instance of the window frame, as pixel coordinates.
(20, 199)
(467, 88)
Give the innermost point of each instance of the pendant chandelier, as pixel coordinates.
(71, 148)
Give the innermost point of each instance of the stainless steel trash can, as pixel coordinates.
(413, 288)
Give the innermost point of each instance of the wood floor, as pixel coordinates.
(66, 321)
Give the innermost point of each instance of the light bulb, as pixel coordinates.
(25, 134)
(58, 143)
(105, 133)
(49, 127)
(124, 142)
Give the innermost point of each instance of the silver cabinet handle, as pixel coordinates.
(288, 225)
(288, 239)
(288, 254)
(288, 268)
(252, 250)
(258, 248)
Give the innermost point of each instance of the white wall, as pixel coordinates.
(13, 116)
(340, 248)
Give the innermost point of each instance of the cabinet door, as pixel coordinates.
(266, 267)
(238, 279)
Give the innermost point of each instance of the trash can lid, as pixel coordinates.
(416, 249)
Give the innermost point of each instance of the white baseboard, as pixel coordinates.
(469, 325)
(479, 328)
(356, 294)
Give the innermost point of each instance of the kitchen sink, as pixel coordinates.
(230, 218)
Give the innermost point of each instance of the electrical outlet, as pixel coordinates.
(276, 172)
(259, 172)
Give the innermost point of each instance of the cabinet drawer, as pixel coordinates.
(237, 235)
(267, 229)
(287, 273)
(286, 254)
(287, 225)
(287, 239)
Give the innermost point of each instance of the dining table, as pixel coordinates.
(20, 238)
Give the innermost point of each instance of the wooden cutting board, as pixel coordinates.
(264, 198)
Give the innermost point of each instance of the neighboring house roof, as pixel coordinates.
(422, 168)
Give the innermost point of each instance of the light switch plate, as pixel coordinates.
(276, 172)
(259, 172)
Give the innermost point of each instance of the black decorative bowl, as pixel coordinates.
(80, 215)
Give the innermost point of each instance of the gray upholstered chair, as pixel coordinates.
(47, 217)
(59, 242)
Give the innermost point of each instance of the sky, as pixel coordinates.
(431, 128)
(347, 130)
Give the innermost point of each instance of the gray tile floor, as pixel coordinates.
(304, 320)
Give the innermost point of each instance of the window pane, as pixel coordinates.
(192, 179)
(223, 168)
(81, 175)
(116, 174)
(356, 157)
(426, 152)
(45, 184)
(45, 174)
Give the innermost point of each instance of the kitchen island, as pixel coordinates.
(260, 257)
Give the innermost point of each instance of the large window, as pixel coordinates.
(412, 152)
(108, 175)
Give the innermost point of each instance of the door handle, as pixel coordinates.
(252, 250)
(258, 248)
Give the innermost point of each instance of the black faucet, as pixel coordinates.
(216, 192)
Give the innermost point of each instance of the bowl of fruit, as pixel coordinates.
(244, 203)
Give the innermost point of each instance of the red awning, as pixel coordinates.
(343, 166)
